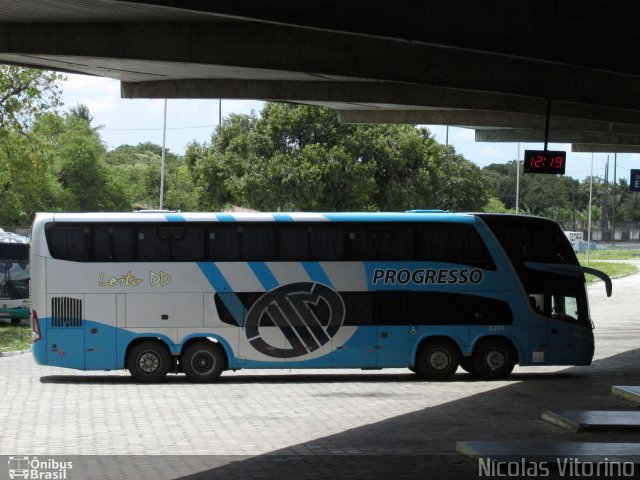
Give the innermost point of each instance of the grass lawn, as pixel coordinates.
(610, 255)
(612, 269)
(14, 337)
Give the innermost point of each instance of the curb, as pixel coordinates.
(11, 354)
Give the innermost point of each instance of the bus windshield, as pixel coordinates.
(531, 244)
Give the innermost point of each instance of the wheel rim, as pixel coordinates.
(149, 362)
(495, 360)
(203, 363)
(439, 360)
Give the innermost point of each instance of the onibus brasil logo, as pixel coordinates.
(40, 469)
(308, 314)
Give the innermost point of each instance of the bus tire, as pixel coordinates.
(202, 362)
(494, 359)
(437, 359)
(148, 361)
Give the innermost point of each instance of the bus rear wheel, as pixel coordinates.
(437, 359)
(148, 362)
(202, 362)
(493, 359)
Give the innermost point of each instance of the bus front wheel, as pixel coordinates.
(202, 362)
(437, 359)
(148, 362)
(493, 359)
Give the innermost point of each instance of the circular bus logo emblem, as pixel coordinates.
(308, 315)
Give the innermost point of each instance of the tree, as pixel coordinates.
(27, 96)
(554, 196)
(79, 157)
(137, 169)
(295, 157)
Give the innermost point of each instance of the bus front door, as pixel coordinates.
(560, 339)
(570, 342)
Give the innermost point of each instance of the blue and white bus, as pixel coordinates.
(201, 293)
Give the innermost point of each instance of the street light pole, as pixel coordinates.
(518, 181)
(164, 138)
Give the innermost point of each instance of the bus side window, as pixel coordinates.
(392, 242)
(310, 242)
(293, 242)
(390, 308)
(326, 242)
(113, 243)
(451, 244)
(258, 243)
(358, 308)
(69, 242)
(151, 247)
(224, 242)
(189, 246)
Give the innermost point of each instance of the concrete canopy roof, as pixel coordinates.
(493, 66)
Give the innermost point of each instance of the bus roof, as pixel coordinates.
(157, 216)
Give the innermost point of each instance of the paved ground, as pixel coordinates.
(307, 424)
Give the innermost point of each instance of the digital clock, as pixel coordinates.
(544, 161)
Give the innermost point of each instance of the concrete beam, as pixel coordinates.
(524, 135)
(373, 97)
(555, 31)
(322, 54)
(591, 148)
(481, 118)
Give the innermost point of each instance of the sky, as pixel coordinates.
(133, 121)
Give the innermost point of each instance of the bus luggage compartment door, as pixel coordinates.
(100, 332)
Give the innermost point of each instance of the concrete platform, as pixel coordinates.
(577, 420)
(631, 393)
(551, 452)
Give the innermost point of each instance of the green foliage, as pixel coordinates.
(562, 198)
(14, 337)
(79, 162)
(297, 157)
(494, 205)
(137, 170)
(614, 270)
(25, 95)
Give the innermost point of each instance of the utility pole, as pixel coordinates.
(518, 180)
(164, 138)
(615, 182)
(604, 224)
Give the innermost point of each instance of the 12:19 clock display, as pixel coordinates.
(545, 161)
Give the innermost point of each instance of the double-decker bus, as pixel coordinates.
(14, 277)
(201, 293)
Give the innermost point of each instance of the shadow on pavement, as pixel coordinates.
(421, 444)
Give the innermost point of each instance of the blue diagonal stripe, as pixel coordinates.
(316, 273)
(174, 217)
(225, 217)
(282, 217)
(264, 275)
(221, 286)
